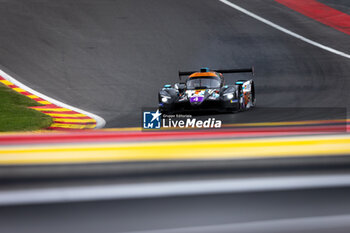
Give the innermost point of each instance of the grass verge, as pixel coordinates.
(14, 114)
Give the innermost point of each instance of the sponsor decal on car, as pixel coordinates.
(196, 99)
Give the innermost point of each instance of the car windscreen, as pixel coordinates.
(209, 82)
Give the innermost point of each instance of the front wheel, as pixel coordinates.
(164, 111)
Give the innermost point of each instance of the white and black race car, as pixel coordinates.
(207, 90)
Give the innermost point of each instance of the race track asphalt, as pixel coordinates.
(311, 211)
(111, 57)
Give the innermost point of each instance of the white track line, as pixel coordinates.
(100, 122)
(172, 188)
(275, 225)
(321, 46)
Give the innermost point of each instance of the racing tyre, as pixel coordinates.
(253, 101)
(241, 104)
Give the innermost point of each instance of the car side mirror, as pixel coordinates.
(180, 86)
(223, 88)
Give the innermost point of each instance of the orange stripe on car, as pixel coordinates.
(201, 74)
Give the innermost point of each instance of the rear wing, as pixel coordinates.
(229, 71)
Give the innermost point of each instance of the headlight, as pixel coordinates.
(165, 98)
(229, 95)
(214, 96)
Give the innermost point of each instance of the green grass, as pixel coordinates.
(14, 114)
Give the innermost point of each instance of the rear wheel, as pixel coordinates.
(241, 104)
(253, 100)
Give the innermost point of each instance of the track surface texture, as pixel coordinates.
(282, 211)
(111, 57)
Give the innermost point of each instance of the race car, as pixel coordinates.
(207, 90)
